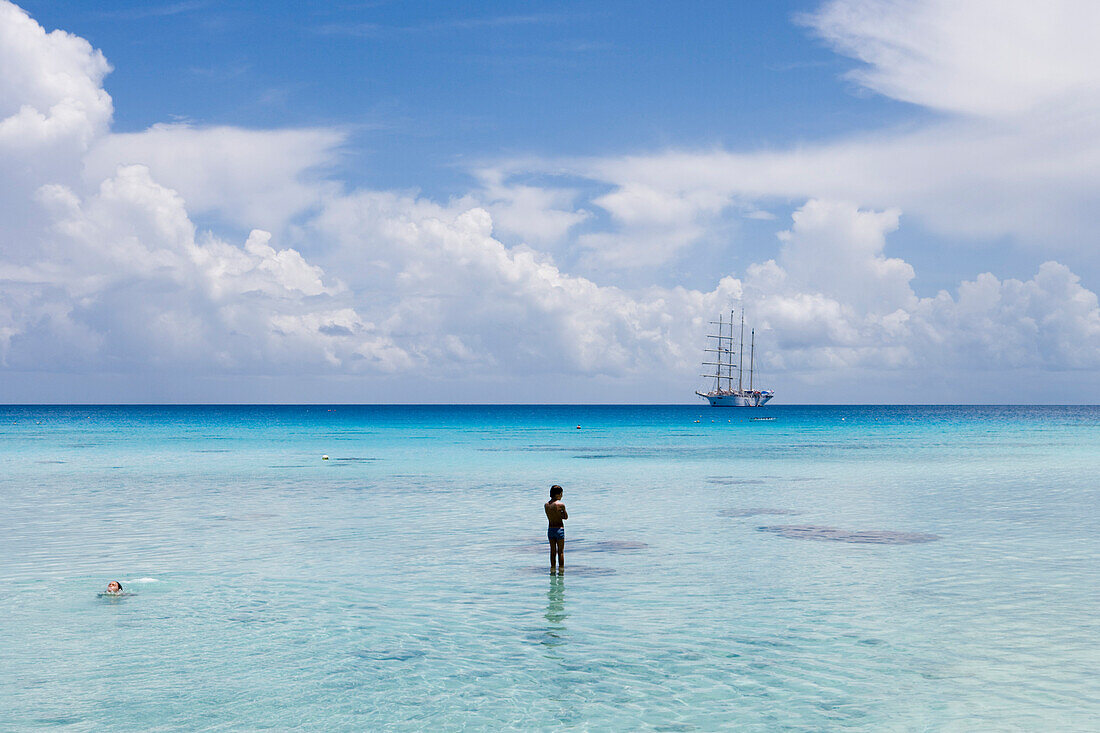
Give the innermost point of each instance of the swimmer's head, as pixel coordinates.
(555, 492)
(114, 587)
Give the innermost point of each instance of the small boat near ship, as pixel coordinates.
(724, 393)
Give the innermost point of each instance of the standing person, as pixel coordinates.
(556, 516)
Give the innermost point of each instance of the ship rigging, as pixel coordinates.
(724, 394)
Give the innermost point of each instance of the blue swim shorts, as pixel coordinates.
(555, 533)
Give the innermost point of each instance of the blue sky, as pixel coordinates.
(426, 89)
(637, 165)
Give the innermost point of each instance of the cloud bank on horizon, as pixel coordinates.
(103, 269)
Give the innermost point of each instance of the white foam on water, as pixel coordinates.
(143, 580)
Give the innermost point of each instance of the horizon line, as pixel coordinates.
(540, 404)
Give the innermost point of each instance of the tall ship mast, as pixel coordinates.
(724, 394)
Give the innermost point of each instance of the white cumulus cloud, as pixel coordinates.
(259, 178)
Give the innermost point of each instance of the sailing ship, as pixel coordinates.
(724, 394)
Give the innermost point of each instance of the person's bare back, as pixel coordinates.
(555, 512)
(555, 533)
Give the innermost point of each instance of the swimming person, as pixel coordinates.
(556, 516)
(114, 588)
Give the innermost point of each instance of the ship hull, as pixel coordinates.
(736, 400)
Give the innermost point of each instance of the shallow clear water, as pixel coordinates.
(924, 568)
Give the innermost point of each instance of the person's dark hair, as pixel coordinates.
(118, 584)
(555, 490)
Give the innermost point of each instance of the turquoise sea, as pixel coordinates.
(863, 568)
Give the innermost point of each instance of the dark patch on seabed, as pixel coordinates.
(583, 571)
(390, 655)
(587, 546)
(615, 546)
(242, 517)
(733, 481)
(756, 511)
(832, 534)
